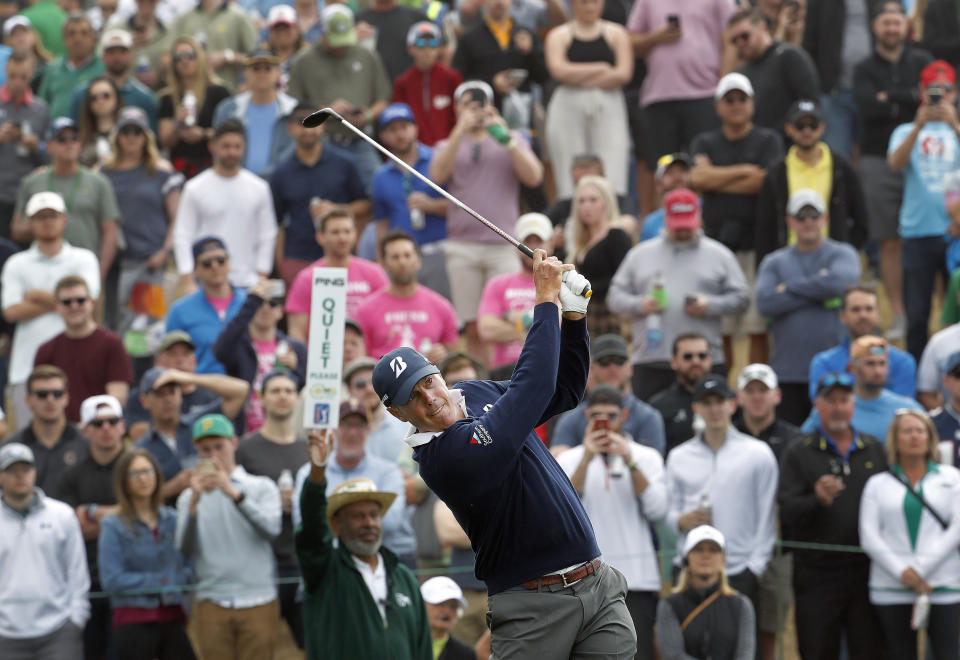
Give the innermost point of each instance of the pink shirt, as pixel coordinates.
(419, 321)
(266, 361)
(220, 305)
(513, 292)
(688, 68)
(363, 278)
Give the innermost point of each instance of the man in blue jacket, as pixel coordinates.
(549, 593)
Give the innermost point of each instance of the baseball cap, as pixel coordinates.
(440, 589)
(757, 371)
(116, 38)
(804, 108)
(356, 365)
(45, 200)
(262, 56)
(424, 33)
(212, 426)
(732, 82)
(473, 84)
(398, 372)
(353, 406)
(701, 534)
(355, 325)
(205, 244)
(681, 209)
(149, 379)
(278, 372)
(833, 379)
(805, 197)
(14, 452)
(888, 7)
(91, 406)
(868, 345)
(534, 224)
(608, 345)
(665, 161)
(175, 337)
(710, 385)
(339, 28)
(281, 15)
(395, 112)
(951, 363)
(14, 22)
(132, 116)
(59, 125)
(937, 71)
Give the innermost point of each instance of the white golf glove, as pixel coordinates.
(572, 298)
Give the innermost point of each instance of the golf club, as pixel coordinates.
(322, 115)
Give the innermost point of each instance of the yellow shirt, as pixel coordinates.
(819, 178)
(501, 31)
(438, 645)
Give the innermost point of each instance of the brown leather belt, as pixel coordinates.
(568, 578)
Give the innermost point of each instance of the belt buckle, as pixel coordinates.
(563, 576)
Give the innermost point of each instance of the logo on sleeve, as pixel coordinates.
(481, 436)
(398, 366)
(403, 600)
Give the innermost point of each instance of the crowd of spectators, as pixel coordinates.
(744, 182)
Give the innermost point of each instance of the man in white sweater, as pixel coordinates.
(43, 575)
(727, 479)
(231, 203)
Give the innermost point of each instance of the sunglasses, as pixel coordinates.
(43, 394)
(275, 302)
(831, 380)
(98, 423)
(131, 130)
(807, 214)
(207, 263)
(102, 96)
(64, 139)
(361, 382)
(607, 360)
(145, 472)
(701, 355)
(812, 124)
(185, 55)
(70, 302)
(737, 38)
(605, 415)
(428, 42)
(733, 99)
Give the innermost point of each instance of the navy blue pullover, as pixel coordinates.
(522, 515)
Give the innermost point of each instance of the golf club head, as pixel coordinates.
(318, 117)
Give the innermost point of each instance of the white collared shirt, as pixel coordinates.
(376, 581)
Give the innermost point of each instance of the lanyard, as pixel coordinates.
(68, 201)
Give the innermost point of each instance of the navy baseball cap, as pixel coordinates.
(59, 125)
(206, 243)
(395, 112)
(150, 378)
(398, 372)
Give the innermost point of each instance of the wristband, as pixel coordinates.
(91, 512)
(240, 499)
(632, 464)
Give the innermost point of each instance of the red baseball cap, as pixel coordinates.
(681, 209)
(938, 71)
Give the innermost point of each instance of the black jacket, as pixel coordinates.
(675, 404)
(899, 81)
(454, 649)
(941, 30)
(779, 435)
(823, 37)
(847, 208)
(804, 519)
(715, 631)
(782, 75)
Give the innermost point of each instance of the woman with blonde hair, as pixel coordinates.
(187, 105)
(705, 617)
(141, 567)
(597, 243)
(910, 529)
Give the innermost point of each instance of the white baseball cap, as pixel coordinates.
(757, 371)
(282, 14)
(731, 82)
(116, 38)
(536, 224)
(14, 22)
(15, 452)
(45, 200)
(805, 197)
(90, 408)
(703, 533)
(440, 589)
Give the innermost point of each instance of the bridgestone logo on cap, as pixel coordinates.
(398, 366)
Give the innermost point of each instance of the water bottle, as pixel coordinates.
(25, 129)
(285, 480)
(616, 467)
(418, 219)
(706, 505)
(654, 329)
(190, 103)
(283, 347)
(103, 147)
(143, 64)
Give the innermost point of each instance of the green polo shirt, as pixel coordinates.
(228, 27)
(60, 79)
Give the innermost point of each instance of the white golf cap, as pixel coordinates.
(116, 38)
(535, 224)
(90, 408)
(282, 15)
(701, 534)
(45, 200)
(14, 22)
(731, 82)
(757, 371)
(805, 197)
(440, 589)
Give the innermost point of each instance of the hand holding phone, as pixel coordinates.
(674, 21)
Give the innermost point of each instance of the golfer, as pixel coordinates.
(550, 595)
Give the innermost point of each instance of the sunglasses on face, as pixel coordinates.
(733, 99)
(98, 423)
(66, 139)
(428, 42)
(102, 96)
(607, 360)
(807, 214)
(360, 383)
(43, 394)
(701, 355)
(605, 415)
(207, 263)
(185, 55)
(145, 472)
(131, 130)
(737, 38)
(70, 302)
(812, 124)
(275, 302)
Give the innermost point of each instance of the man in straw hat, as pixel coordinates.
(362, 602)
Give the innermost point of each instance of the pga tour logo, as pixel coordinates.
(321, 413)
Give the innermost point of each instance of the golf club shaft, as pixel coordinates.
(504, 235)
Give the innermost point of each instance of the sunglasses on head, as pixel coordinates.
(607, 360)
(70, 302)
(207, 263)
(43, 394)
(185, 55)
(830, 380)
(98, 423)
(700, 355)
(66, 138)
(807, 214)
(812, 124)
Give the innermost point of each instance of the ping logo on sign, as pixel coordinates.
(398, 366)
(321, 413)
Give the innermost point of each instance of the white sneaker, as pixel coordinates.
(898, 328)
